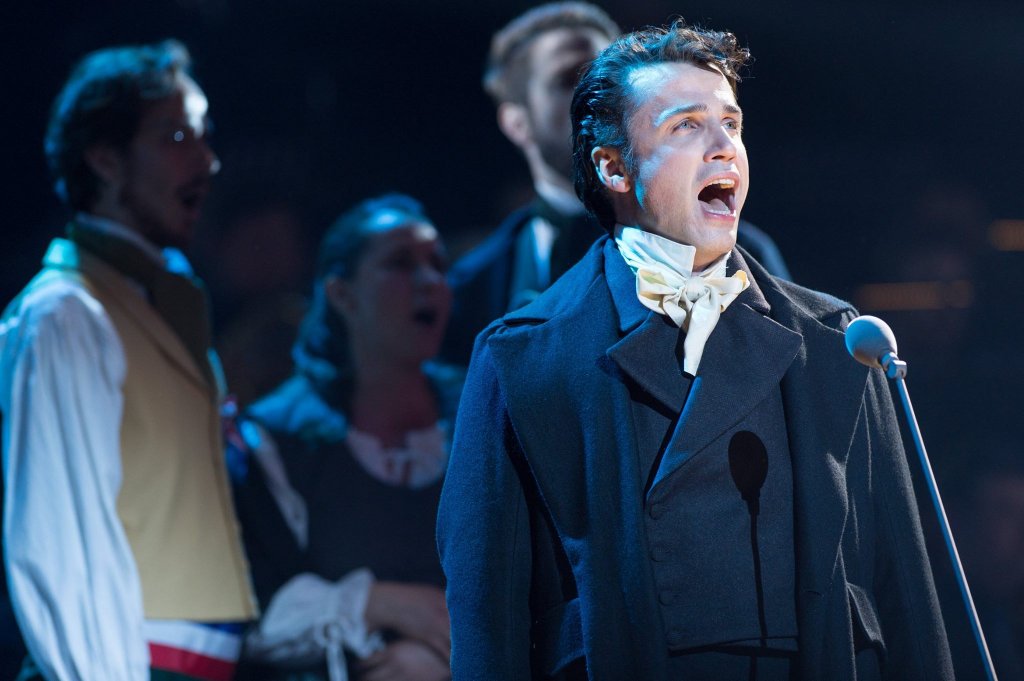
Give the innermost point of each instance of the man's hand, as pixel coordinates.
(405, 661)
(414, 611)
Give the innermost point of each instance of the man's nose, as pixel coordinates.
(429, 275)
(209, 160)
(721, 145)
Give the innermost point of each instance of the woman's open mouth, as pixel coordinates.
(425, 317)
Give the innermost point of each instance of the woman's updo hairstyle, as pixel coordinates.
(321, 351)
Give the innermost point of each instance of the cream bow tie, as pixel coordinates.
(665, 284)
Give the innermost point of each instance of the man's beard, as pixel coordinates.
(557, 157)
(555, 150)
(150, 225)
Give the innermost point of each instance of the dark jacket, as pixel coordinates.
(541, 528)
(481, 280)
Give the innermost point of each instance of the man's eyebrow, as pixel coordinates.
(691, 108)
(678, 110)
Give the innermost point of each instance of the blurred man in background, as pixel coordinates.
(122, 549)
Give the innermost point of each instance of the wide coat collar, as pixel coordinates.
(569, 365)
(744, 360)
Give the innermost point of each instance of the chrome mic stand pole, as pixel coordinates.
(872, 343)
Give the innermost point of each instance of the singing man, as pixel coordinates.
(666, 466)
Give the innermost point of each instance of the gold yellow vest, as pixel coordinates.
(175, 498)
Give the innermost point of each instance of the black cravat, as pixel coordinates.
(180, 299)
(575, 234)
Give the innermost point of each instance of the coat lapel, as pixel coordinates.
(744, 360)
(646, 353)
(64, 255)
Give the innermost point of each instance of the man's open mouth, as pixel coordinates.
(718, 197)
(193, 194)
(191, 200)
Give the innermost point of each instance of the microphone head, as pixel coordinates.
(869, 339)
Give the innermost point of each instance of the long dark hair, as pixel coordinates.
(321, 351)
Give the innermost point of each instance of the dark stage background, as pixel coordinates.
(884, 141)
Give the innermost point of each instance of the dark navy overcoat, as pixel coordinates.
(541, 529)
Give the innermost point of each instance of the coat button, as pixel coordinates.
(659, 554)
(656, 510)
(666, 597)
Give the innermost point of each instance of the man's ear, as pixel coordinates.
(611, 169)
(514, 121)
(339, 295)
(107, 162)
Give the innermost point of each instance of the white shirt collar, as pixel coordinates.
(672, 254)
(666, 284)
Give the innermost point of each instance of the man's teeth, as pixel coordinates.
(714, 204)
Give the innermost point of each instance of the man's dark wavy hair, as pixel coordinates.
(602, 102)
(102, 102)
(321, 351)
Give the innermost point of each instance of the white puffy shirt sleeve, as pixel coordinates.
(72, 577)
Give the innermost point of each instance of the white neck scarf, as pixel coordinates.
(666, 283)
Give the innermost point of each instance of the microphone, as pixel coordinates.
(871, 342)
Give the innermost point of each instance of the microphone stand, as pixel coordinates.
(896, 370)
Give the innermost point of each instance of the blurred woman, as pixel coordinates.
(338, 495)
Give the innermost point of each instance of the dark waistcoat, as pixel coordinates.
(719, 512)
(732, 556)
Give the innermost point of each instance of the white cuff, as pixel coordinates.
(309, 617)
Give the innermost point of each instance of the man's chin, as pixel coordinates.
(557, 159)
(714, 244)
